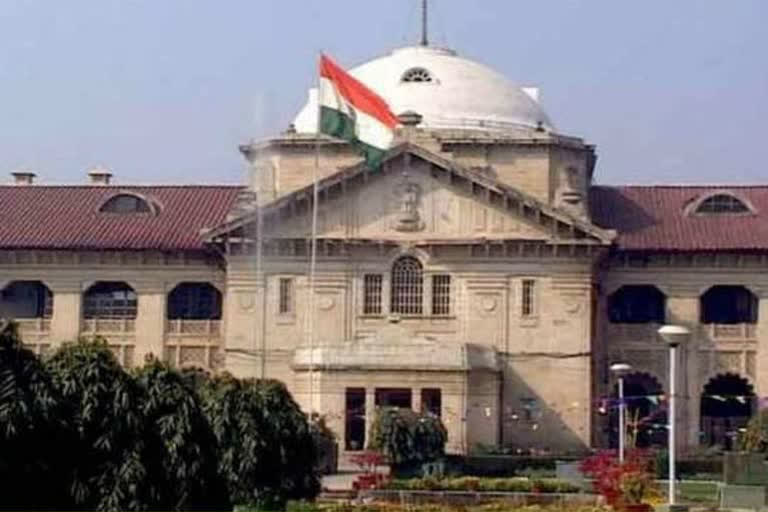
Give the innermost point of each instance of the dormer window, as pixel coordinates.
(417, 75)
(127, 203)
(719, 202)
(722, 203)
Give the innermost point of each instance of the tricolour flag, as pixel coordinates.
(349, 110)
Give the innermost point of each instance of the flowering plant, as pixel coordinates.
(619, 483)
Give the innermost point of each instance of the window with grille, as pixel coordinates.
(407, 287)
(722, 203)
(107, 299)
(126, 203)
(194, 301)
(527, 299)
(26, 299)
(285, 302)
(441, 294)
(372, 294)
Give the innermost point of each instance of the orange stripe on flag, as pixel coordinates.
(357, 94)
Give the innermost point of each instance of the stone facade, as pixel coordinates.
(466, 277)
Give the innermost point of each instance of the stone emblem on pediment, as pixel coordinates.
(407, 202)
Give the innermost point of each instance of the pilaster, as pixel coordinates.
(683, 309)
(67, 310)
(150, 321)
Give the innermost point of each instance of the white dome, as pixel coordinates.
(448, 91)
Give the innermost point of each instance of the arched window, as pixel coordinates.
(126, 203)
(110, 299)
(722, 203)
(417, 75)
(407, 287)
(728, 305)
(26, 299)
(636, 304)
(194, 301)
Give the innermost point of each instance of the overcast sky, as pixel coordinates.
(165, 90)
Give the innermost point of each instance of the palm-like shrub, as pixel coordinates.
(180, 454)
(266, 450)
(35, 439)
(104, 408)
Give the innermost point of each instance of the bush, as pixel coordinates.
(406, 437)
(469, 483)
(506, 465)
(708, 468)
(621, 483)
(755, 439)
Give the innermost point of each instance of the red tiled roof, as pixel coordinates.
(654, 218)
(68, 217)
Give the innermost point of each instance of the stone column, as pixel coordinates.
(67, 310)
(150, 321)
(683, 309)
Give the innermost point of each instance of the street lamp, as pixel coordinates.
(674, 336)
(621, 369)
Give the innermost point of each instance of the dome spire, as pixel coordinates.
(424, 39)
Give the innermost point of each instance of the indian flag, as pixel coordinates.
(351, 111)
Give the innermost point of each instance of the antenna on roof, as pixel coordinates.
(424, 40)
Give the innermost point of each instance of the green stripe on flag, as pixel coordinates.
(338, 124)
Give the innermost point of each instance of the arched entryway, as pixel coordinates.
(646, 412)
(727, 403)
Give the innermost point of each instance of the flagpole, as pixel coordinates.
(313, 255)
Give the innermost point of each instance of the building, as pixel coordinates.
(480, 274)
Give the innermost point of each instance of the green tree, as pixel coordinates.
(266, 451)
(180, 448)
(104, 407)
(35, 439)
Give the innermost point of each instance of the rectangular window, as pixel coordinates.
(286, 296)
(441, 294)
(431, 401)
(372, 294)
(528, 297)
(393, 397)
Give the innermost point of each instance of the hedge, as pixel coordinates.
(470, 483)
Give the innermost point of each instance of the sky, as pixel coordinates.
(164, 91)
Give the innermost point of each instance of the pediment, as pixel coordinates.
(416, 195)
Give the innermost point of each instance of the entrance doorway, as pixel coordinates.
(645, 412)
(726, 405)
(354, 428)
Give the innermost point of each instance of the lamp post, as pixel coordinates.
(674, 336)
(621, 369)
